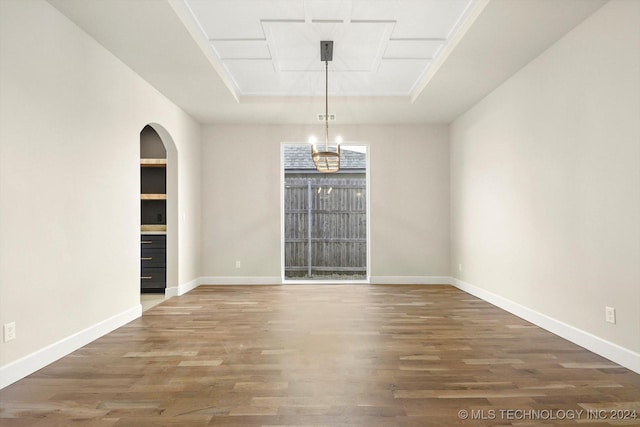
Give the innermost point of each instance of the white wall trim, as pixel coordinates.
(173, 291)
(274, 280)
(176, 291)
(623, 356)
(410, 280)
(240, 280)
(29, 364)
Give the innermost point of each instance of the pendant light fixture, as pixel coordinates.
(327, 161)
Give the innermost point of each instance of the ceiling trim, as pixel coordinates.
(409, 60)
(466, 22)
(500, 37)
(185, 14)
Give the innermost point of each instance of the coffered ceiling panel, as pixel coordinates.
(296, 46)
(427, 19)
(241, 19)
(272, 48)
(217, 61)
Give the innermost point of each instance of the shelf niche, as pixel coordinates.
(153, 178)
(153, 211)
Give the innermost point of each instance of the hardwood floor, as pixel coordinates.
(326, 355)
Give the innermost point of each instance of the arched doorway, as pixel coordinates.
(158, 215)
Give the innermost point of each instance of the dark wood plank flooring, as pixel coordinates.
(326, 355)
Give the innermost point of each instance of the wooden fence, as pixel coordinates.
(325, 227)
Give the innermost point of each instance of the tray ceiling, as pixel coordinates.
(451, 53)
(272, 48)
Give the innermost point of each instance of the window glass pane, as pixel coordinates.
(325, 216)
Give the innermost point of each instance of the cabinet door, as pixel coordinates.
(153, 278)
(153, 262)
(153, 241)
(151, 257)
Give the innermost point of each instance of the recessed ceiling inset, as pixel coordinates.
(270, 47)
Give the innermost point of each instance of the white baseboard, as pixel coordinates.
(410, 280)
(29, 364)
(182, 289)
(620, 355)
(240, 280)
(275, 280)
(171, 292)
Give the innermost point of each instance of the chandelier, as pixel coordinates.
(327, 161)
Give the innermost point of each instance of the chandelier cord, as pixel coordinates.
(326, 161)
(326, 105)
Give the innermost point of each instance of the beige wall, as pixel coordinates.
(544, 173)
(70, 118)
(545, 181)
(409, 178)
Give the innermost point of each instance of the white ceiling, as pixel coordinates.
(201, 67)
(381, 47)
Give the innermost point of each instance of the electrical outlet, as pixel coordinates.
(610, 314)
(9, 331)
(459, 267)
(238, 265)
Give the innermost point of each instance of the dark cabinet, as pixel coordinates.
(153, 209)
(153, 263)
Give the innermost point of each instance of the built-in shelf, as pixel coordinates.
(153, 197)
(153, 227)
(153, 212)
(153, 163)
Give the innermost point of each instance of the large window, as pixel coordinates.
(325, 216)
